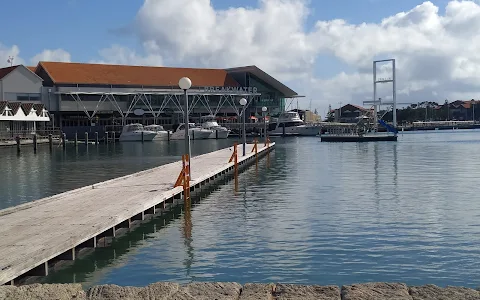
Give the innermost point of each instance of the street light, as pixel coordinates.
(264, 110)
(243, 102)
(185, 83)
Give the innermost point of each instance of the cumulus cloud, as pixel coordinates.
(436, 54)
(7, 52)
(192, 32)
(121, 55)
(51, 55)
(436, 48)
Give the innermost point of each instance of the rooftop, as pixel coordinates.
(100, 74)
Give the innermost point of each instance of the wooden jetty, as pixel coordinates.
(35, 235)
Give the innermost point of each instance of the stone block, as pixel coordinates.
(208, 291)
(43, 292)
(376, 291)
(433, 292)
(257, 291)
(306, 292)
(157, 291)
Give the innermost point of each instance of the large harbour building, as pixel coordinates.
(78, 94)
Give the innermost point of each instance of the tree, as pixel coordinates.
(330, 115)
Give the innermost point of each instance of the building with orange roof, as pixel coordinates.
(81, 94)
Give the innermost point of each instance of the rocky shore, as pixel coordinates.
(234, 291)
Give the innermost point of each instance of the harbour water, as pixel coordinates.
(320, 213)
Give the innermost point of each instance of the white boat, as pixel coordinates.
(293, 125)
(196, 133)
(133, 132)
(162, 134)
(219, 132)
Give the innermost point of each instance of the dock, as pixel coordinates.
(358, 138)
(36, 235)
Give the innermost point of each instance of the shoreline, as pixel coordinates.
(236, 291)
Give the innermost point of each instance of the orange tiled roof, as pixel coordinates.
(80, 73)
(32, 68)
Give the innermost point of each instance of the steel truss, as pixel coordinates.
(170, 96)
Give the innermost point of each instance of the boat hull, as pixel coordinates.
(161, 136)
(297, 131)
(219, 134)
(194, 135)
(137, 136)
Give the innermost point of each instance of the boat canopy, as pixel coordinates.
(132, 127)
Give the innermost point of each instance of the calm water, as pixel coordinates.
(321, 213)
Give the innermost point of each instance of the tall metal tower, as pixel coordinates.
(378, 102)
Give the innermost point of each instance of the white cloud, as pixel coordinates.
(51, 55)
(6, 52)
(120, 55)
(437, 55)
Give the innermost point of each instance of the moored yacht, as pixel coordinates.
(134, 132)
(196, 133)
(219, 132)
(162, 134)
(289, 123)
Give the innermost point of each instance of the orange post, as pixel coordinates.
(184, 177)
(234, 158)
(255, 148)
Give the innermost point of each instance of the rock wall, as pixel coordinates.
(235, 291)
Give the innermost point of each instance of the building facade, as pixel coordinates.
(79, 95)
(21, 110)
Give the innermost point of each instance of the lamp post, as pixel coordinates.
(243, 102)
(264, 110)
(185, 83)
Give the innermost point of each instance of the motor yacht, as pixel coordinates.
(219, 132)
(292, 124)
(196, 133)
(133, 132)
(162, 134)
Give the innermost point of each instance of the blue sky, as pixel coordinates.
(82, 27)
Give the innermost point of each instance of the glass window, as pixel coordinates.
(34, 97)
(23, 97)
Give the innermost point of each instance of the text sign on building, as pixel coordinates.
(227, 89)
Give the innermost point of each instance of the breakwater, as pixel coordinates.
(236, 291)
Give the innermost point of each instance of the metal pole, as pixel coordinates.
(187, 132)
(375, 95)
(394, 95)
(244, 130)
(265, 127)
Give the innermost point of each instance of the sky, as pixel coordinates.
(322, 49)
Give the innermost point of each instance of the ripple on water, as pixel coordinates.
(321, 214)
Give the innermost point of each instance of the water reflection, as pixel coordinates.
(319, 214)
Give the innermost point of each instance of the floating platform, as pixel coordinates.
(358, 139)
(36, 235)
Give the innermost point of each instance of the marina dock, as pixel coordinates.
(35, 235)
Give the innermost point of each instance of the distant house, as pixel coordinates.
(349, 113)
(461, 110)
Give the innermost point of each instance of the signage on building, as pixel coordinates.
(227, 89)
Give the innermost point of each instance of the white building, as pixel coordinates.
(21, 108)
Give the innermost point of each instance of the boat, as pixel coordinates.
(289, 123)
(196, 133)
(162, 134)
(219, 132)
(135, 132)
